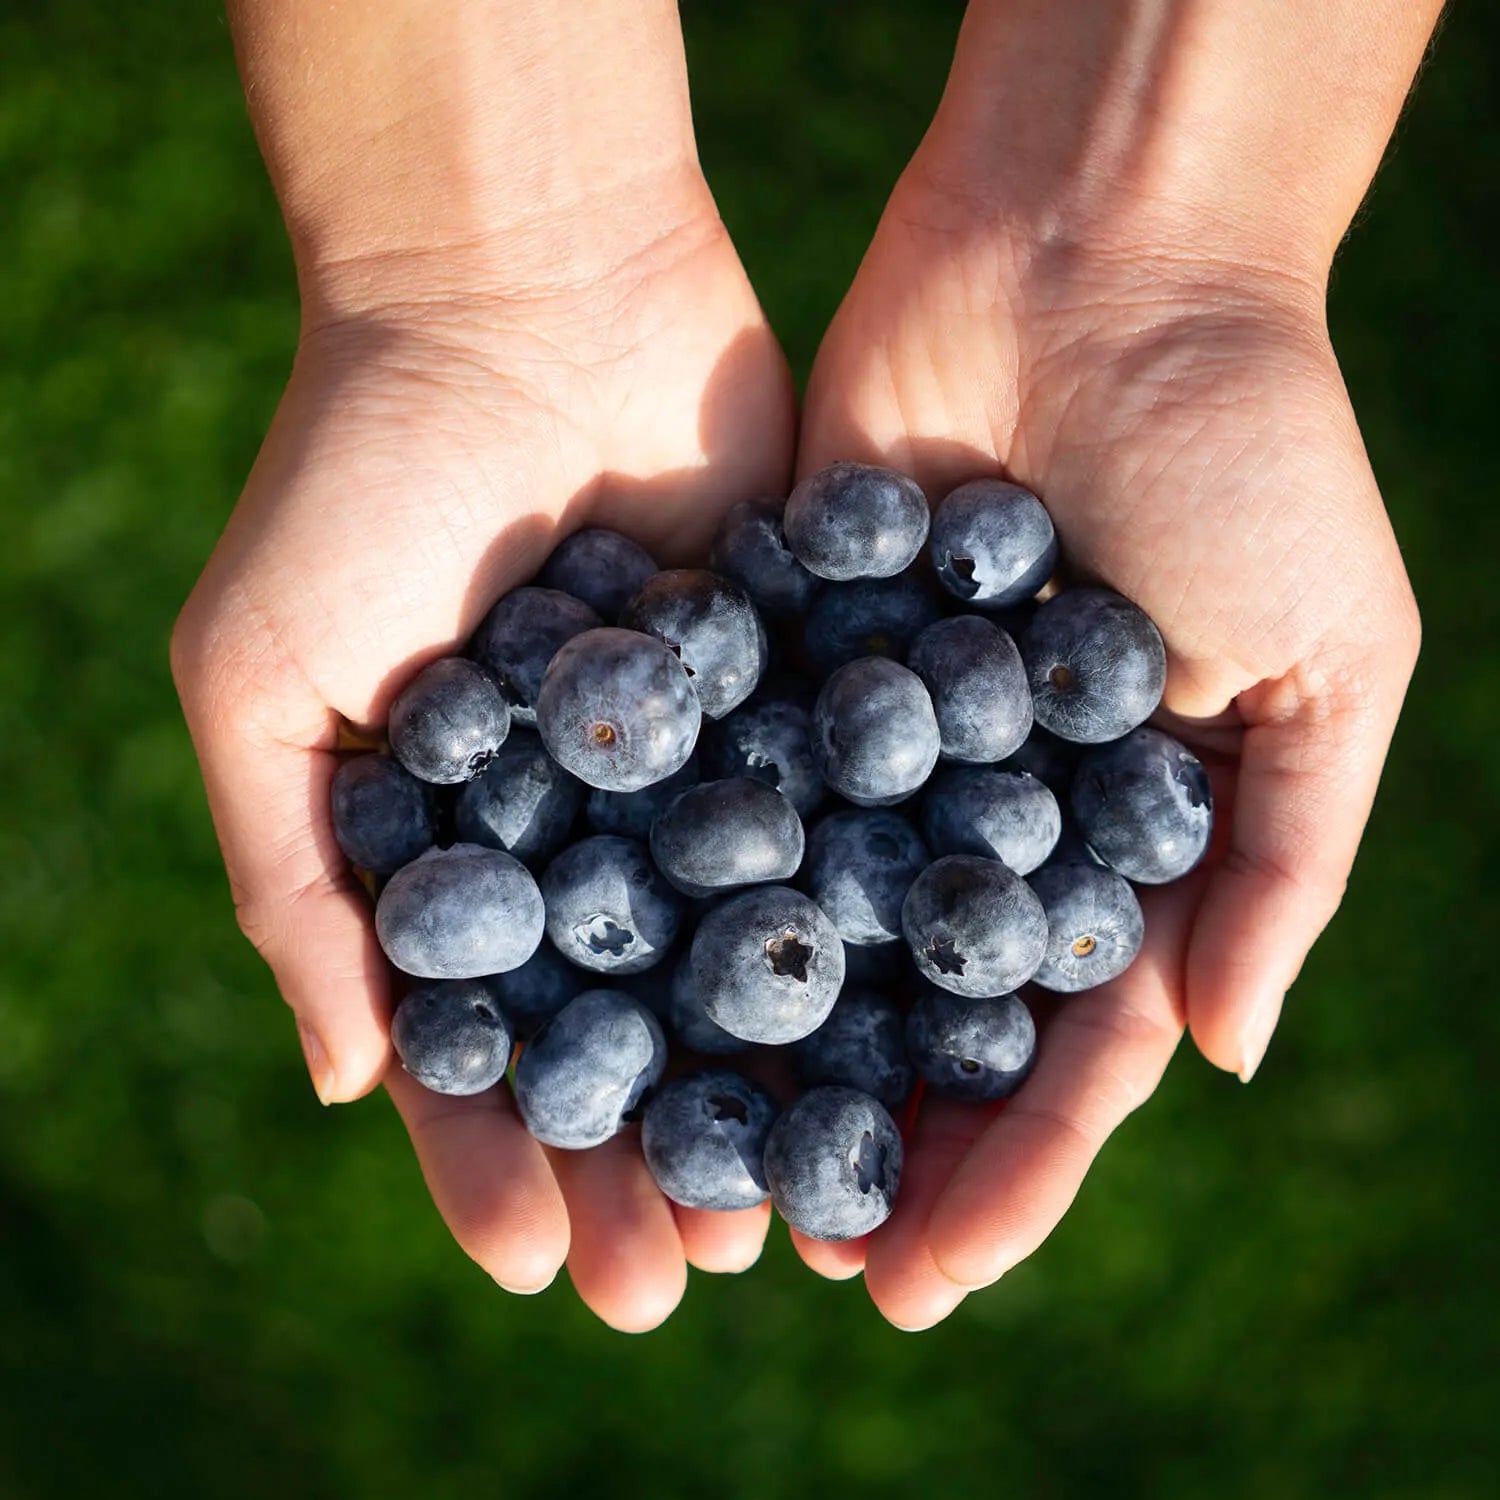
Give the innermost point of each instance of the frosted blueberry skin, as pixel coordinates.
(994, 813)
(974, 926)
(522, 802)
(583, 1076)
(608, 909)
(721, 835)
(992, 543)
(704, 1140)
(617, 709)
(977, 683)
(769, 739)
(861, 1045)
(631, 814)
(869, 617)
(750, 547)
(1096, 664)
(460, 913)
(689, 1022)
(767, 964)
(522, 633)
(875, 737)
(710, 625)
(833, 1164)
(1144, 806)
(856, 521)
(452, 1037)
(382, 815)
(449, 722)
(1094, 926)
(1049, 759)
(971, 1049)
(537, 990)
(860, 865)
(599, 566)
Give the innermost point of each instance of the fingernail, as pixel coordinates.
(524, 1291)
(1255, 1037)
(319, 1069)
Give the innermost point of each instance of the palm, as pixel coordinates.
(1188, 429)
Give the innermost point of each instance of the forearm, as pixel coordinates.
(1254, 124)
(516, 133)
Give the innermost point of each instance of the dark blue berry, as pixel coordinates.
(979, 692)
(449, 722)
(751, 548)
(862, 1045)
(382, 815)
(584, 1075)
(974, 926)
(521, 635)
(1144, 806)
(875, 738)
(856, 521)
(869, 617)
(599, 566)
(460, 913)
(452, 1037)
(721, 835)
(992, 543)
(998, 814)
(523, 802)
(860, 865)
(971, 1049)
(617, 709)
(1094, 925)
(769, 739)
(538, 989)
(631, 814)
(608, 909)
(704, 1140)
(833, 1163)
(688, 1020)
(1049, 759)
(1096, 664)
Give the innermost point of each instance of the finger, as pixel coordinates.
(1100, 1055)
(904, 1281)
(722, 1242)
(626, 1258)
(837, 1260)
(1311, 756)
(490, 1180)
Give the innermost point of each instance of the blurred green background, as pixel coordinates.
(211, 1287)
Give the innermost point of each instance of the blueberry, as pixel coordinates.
(523, 802)
(769, 739)
(452, 1037)
(460, 913)
(862, 1045)
(971, 1049)
(869, 617)
(1144, 806)
(689, 1021)
(450, 721)
(617, 709)
(974, 926)
(833, 1163)
(607, 908)
(992, 543)
(860, 865)
(538, 989)
(978, 687)
(856, 521)
(1004, 815)
(1096, 664)
(581, 1078)
(521, 635)
(768, 964)
(1094, 925)
(1049, 759)
(704, 1140)
(721, 835)
(631, 814)
(875, 738)
(751, 548)
(710, 624)
(382, 815)
(599, 566)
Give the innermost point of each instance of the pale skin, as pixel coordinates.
(1103, 273)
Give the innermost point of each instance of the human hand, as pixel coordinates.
(1167, 385)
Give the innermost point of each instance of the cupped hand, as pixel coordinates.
(1183, 416)
(447, 419)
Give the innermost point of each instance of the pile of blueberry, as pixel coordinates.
(843, 795)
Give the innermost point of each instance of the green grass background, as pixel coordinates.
(211, 1287)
